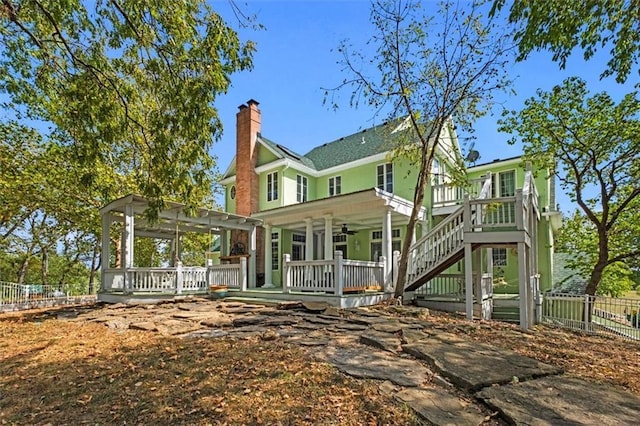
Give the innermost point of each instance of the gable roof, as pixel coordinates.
(368, 142)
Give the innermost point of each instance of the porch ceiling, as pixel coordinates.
(359, 210)
(173, 216)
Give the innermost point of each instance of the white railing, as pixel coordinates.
(437, 246)
(489, 214)
(15, 296)
(593, 314)
(189, 279)
(337, 276)
(443, 285)
(230, 275)
(448, 194)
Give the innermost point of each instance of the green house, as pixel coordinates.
(346, 204)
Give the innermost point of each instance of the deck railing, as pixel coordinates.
(337, 276)
(593, 314)
(178, 280)
(444, 285)
(448, 194)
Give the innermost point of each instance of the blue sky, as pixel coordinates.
(296, 58)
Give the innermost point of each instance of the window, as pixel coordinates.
(340, 244)
(376, 243)
(301, 191)
(335, 186)
(272, 186)
(499, 257)
(275, 256)
(385, 177)
(503, 184)
(298, 242)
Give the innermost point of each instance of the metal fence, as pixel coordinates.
(16, 297)
(593, 314)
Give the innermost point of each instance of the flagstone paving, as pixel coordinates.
(445, 378)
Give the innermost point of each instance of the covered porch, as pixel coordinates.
(124, 220)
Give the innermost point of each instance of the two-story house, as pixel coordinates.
(352, 198)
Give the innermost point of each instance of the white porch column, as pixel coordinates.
(523, 286)
(267, 256)
(308, 242)
(252, 257)
(105, 254)
(468, 280)
(328, 237)
(127, 244)
(387, 241)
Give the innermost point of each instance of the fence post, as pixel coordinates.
(179, 277)
(286, 273)
(519, 211)
(467, 213)
(587, 298)
(394, 278)
(243, 274)
(337, 272)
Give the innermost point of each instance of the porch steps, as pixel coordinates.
(506, 313)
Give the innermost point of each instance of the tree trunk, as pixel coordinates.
(45, 266)
(418, 198)
(601, 264)
(117, 254)
(24, 267)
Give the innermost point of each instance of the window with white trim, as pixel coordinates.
(385, 177)
(298, 246)
(275, 255)
(376, 243)
(301, 188)
(335, 186)
(503, 184)
(499, 256)
(272, 186)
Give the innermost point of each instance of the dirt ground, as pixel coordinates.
(58, 372)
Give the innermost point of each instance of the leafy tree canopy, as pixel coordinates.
(431, 62)
(127, 85)
(593, 143)
(561, 25)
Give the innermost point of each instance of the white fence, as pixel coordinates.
(337, 276)
(593, 314)
(14, 297)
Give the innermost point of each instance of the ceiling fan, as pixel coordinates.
(346, 231)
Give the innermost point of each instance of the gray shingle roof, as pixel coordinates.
(365, 143)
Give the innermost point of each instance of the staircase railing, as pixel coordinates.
(443, 242)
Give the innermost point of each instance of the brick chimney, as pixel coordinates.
(248, 122)
(247, 129)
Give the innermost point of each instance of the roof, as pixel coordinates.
(566, 280)
(284, 152)
(368, 142)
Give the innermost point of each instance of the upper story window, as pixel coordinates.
(335, 186)
(272, 186)
(301, 191)
(503, 184)
(385, 177)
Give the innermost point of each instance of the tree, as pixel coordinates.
(560, 26)
(428, 68)
(128, 85)
(596, 145)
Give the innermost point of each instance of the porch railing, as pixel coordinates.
(444, 285)
(593, 314)
(337, 276)
(176, 280)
